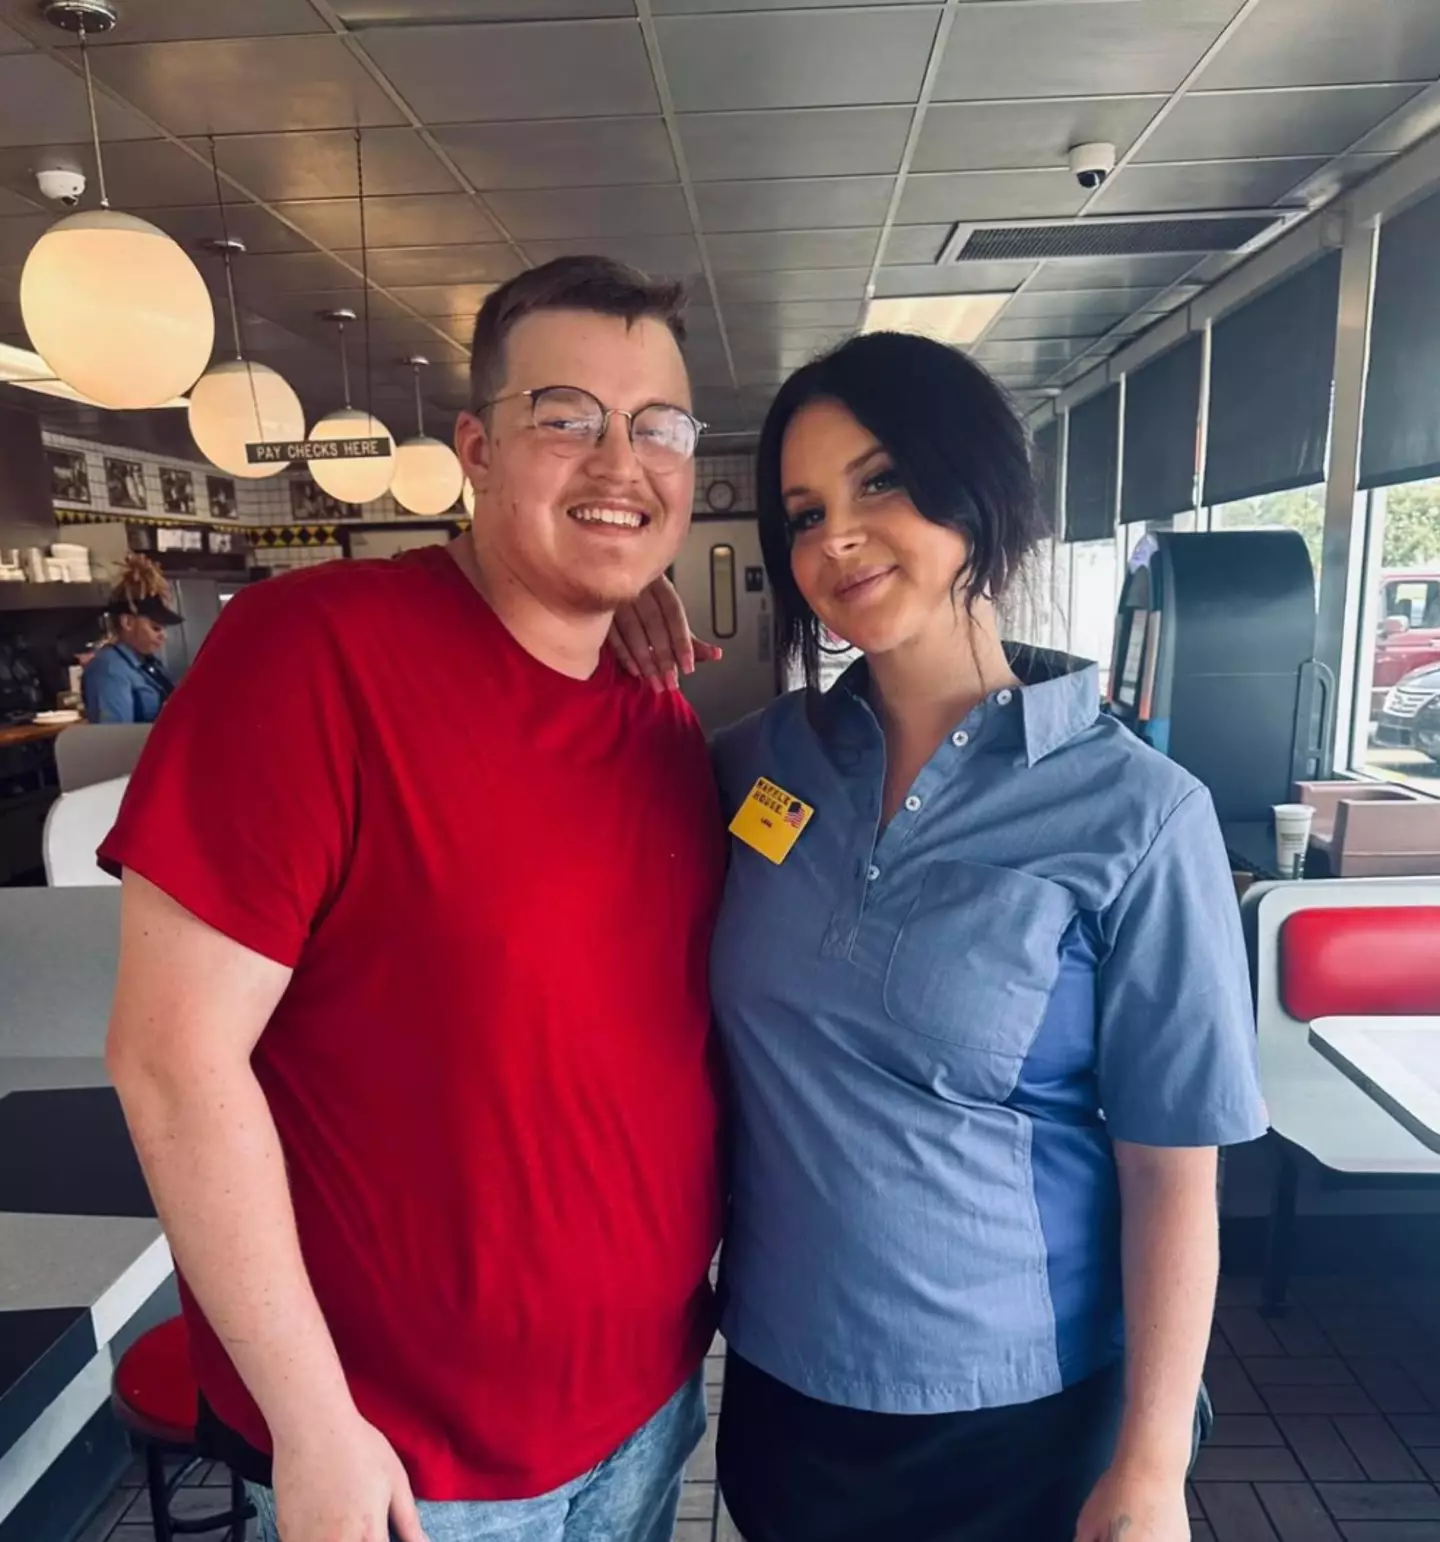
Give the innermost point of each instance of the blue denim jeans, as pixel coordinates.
(632, 1496)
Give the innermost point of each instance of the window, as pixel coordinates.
(1398, 739)
(1301, 509)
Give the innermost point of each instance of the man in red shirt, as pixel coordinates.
(412, 1024)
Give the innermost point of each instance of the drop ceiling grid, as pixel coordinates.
(792, 121)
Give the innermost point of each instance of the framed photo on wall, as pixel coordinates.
(310, 504)
(221, 493)
(125, 484)
(69, 476)
(177, 491)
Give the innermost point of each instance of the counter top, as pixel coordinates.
(31, 733)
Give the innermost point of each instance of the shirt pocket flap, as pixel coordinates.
(976, 960)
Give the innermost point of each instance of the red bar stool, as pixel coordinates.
(156, 1398)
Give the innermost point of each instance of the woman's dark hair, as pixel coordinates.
(958, 447)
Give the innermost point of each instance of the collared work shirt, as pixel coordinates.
(119, 686)
(936, 1028)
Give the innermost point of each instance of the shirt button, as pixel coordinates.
(873, 875)
(960, 739)
(1005, 698)
(913, 804)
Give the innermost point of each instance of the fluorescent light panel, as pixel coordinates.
(19, 367)
(952, 318)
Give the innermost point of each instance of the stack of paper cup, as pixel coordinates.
(1292, 837)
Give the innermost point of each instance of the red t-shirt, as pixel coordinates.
(491, 1072)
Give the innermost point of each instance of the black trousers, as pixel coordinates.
(796, 1470)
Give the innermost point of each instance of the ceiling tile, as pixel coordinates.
(1112, 272)
(18, 234)
(163, 21)
(1052, 351)
(11, 42)
(953, 278)
(1417, 118)
(17, 203)
(798, 249)
(1241, 125)
(823, 203)
(1103, 305)
(916, 244)
(44, 104)
(565, 152)
(559, 213)
(140, 173)
(833, 58)
(273, 273)
(780, 285)
(563, 69)
(247, 222)
(1048, 326)
(299, 309)
(1331, 42)
(708, 7)
(440, 264)
(450, 301)
(434, 219)
(968, 196)
(211, 87)
(1110, 48)
(1202, 185)
(673, 256)
(282, 167)
(387, 13)
(996, 136)
(794, 313)
(803, 142)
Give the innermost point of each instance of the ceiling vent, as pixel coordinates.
(1131, 235)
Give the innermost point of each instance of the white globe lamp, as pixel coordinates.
(237, 403)
(117, 309)
(353, 481)
(467, 497)
(428, 477)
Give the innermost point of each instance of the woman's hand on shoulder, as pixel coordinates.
(653, 641)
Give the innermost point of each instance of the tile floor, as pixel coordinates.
(1327, 1426)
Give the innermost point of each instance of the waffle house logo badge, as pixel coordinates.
(771, 820)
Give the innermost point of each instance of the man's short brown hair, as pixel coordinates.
(567, 284)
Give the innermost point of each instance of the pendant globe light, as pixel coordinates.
(428, 477)
(115, 307)
(355, 481)
(352, 481)
(238, 402)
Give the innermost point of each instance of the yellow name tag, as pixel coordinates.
(770, 821)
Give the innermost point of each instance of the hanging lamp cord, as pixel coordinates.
(230, 289)
(419, 407)
(365, 280)
(94, 120)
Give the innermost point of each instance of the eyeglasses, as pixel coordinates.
(570, 421)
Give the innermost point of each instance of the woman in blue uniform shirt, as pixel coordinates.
(125, 681)
(987, 1021)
